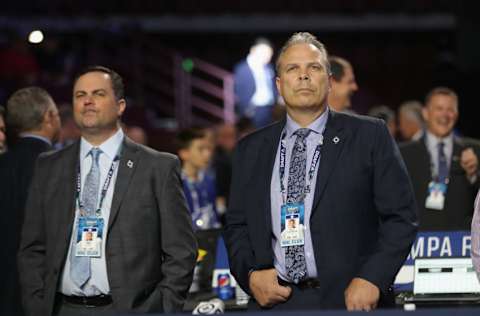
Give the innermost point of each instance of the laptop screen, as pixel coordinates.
(445, 276)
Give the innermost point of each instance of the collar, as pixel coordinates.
(109, 147)
(200, 177)
(28, 135)
(316, 126)
(433, 140)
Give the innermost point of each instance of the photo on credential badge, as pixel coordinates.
(292, 217)
(89, 237)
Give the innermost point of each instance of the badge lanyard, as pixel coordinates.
(311, 171)
(105, 187)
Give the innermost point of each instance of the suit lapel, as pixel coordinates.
(66, 208)
(425, 159)
(128, 163)
(334, 139)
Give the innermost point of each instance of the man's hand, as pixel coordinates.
(265, 288)
(469, 162)
(361, 295)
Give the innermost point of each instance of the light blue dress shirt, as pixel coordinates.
(98, 282)
(313, 139)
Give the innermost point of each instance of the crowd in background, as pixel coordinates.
(443, 165)
(206, 151)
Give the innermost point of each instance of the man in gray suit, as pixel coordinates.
(127, 196)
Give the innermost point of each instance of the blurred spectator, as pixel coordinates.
(69, 133)
(33, 115)
(137, 134)
(3, 135)
(343, 84)
(442, 166)
(254, 80)
(410, 120)
(195, 152)
(226, 136)
(386, 114)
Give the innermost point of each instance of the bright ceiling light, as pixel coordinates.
(35, 37)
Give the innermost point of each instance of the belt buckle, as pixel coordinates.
(85, 300)
(314, 283)
(310, 284)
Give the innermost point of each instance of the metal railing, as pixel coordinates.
(190, 91)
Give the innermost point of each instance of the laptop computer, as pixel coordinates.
(444, 280)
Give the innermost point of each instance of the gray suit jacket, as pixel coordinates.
(150, 250)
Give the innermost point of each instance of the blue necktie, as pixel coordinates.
(295, 263)
(80, 266)
(442, 163)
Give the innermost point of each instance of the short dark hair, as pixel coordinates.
(442, 91)
(26, 108)
(337, 67)
(185, 137)
(116, 80)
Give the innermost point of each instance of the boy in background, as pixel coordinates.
(195, 151)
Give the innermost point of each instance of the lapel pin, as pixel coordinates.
(336, 140)
(129, 164)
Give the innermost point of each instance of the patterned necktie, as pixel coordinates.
(442, 163)
(295, 263)
(80, 266)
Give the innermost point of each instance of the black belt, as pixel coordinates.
(310, 283)
(87, 301)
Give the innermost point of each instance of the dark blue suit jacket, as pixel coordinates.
(363, 219)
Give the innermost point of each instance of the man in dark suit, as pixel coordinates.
(254, 84)
(129, 197)
(443, 167)
(337, 175)
(33, 118)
